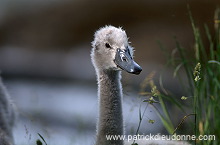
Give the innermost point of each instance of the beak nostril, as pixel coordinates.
(124, 59)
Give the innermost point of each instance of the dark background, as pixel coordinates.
(45, 57)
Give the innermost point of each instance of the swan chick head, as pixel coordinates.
(111, 50)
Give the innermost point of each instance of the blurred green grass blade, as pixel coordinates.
(177, 69)
(165, 111)
(211, 44)
(214, 61)
(174, 101)
(169, 127)
(42, 138)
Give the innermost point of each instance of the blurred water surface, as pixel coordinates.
(65, 112)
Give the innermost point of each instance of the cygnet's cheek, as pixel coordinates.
(115, 66)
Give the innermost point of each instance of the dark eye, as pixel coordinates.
(107, 45)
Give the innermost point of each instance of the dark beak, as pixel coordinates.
(124, 60)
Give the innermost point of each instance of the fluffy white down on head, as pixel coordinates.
(102, 56)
